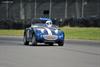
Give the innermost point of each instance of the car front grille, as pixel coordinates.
(50, 37)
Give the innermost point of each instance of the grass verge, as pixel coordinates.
(70, 33)
(11, 32)
(81, 33)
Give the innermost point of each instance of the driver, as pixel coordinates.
(49, 23)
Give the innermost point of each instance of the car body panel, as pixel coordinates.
(44, 34)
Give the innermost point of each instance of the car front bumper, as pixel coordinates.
(49, 38)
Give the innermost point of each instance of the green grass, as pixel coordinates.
(81, 33)
(70, 33)
(11, 32)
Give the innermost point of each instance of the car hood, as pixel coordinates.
(47, 30)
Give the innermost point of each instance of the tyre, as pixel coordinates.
(34, 42)
(25, 41)
(61, 44)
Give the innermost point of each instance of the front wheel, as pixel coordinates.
(25, 41)
(34, 42)
(61, 44)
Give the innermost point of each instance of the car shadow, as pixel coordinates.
(41, 45)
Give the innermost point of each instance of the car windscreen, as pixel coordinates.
(42, 25)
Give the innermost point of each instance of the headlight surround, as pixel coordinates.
(38, 32)
(39, 35)
(61, 35)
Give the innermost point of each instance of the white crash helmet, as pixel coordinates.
(49, 23)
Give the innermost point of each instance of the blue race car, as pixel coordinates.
(43, 33)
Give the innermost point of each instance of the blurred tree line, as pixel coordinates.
(71, 22)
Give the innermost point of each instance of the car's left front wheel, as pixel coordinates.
(60, 43)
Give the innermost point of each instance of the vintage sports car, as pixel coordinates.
(43, 33)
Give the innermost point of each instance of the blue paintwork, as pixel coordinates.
(39, 35)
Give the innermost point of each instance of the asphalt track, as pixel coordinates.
(74, 53)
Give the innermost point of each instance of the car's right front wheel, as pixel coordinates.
(25, 41)
(34, 42)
